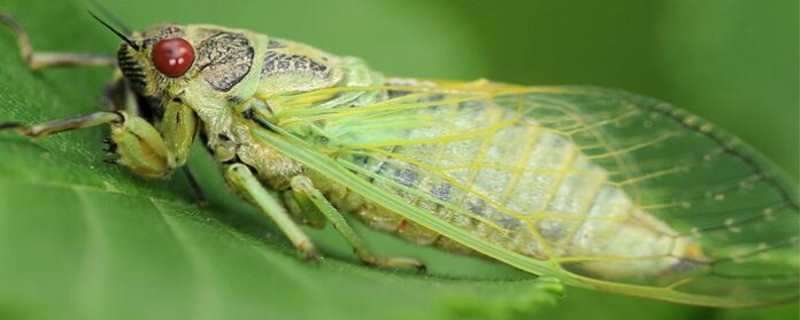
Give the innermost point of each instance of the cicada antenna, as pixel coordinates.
(110, 16)
(119, 34)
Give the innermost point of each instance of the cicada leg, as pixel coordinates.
(141, 148)
(40, 60)
(197, 190)
(304, 188)
(247, 185)
(156, 152)
(52, 127)
(179, 125)
(134, 142)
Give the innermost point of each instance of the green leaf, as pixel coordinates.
(82, 239)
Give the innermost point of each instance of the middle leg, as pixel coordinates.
(304, 188)
(245, 183)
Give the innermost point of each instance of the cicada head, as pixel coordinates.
(159, 61)
(156, 63)
(162, 62)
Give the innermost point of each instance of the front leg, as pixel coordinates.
(45, 129)
(156, 152)
(141, 148)
(41, 60)
(135, 143)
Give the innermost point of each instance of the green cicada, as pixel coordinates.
(598, 188)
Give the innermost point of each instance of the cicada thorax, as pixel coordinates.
(291, 66)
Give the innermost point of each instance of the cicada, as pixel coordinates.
(598, 188)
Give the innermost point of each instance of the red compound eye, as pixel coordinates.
(173, 57)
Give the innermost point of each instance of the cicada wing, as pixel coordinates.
(706, 185)
(598, 187)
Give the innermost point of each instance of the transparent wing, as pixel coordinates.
(600, 187)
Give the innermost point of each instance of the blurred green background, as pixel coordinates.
(732, 62)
